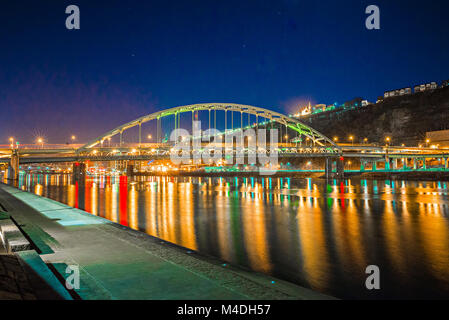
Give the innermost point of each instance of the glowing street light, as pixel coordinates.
(335, 139)
(427, 142)
(41, 142)
(73, 138)
(352, 139)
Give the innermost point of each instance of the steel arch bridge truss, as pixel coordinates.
(292, 123)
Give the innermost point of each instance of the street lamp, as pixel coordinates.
(427, 142)
(335, 139)
(365, 140)
(12, 142)
(388, 139)
(352, 140)
(41, 142)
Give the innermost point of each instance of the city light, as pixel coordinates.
(149, 137)
(41, 142)
(73, 138)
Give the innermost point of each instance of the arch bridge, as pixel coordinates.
(251, 113)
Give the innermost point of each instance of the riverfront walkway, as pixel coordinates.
(116, 262)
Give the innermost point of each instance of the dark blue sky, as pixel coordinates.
(134, 57)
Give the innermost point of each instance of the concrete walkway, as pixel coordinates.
(116, 262)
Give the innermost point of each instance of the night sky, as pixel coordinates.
(132, 58)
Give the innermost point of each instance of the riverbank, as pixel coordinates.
(227, 174)
(116, 262)
(377, 175)
(405, 175)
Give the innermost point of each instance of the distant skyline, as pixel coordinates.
(132, 58)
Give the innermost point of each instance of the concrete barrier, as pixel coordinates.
(12, 238)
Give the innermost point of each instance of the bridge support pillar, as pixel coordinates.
(130, 168)
(374, 166)
(362, 166)
(13, 168)
(341, 168)
(415, 165)
(395, 164)
(387, 164)
(328, 167)
(424, 165)
(78, 170)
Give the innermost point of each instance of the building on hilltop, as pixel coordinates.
(319, 108)
(354, 103)
(398, 92)
(425, 87)
(365, 103)
(445, 83)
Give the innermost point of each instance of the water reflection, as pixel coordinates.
(303, 230)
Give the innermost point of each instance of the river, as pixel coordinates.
(318, 234)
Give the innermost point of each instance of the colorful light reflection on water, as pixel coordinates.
(316, 234)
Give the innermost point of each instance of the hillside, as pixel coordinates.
(405, 119)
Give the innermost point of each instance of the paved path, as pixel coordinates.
(19, 282)
(116, 262)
